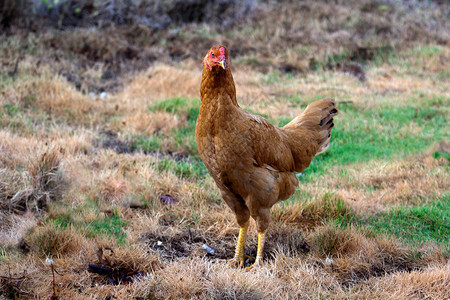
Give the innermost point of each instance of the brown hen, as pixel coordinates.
(253, 162)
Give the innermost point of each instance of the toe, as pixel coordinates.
(236, 262)
(253, 267)
(250, 268)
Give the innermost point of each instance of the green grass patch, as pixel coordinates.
(379, 133)
(109, 226)
(193, 169)
(183, 137)
(179, 105)
(429, 222)
(416, 225)
(63, 221)
(425, 51)
(147, 144)
(283, 121)
(68, 217)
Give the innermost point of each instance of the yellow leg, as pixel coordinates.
(259, 251)
(239, 255)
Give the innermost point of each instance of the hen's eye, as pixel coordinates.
(212, 54)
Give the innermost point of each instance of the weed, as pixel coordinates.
(11, 109)
(439, 154)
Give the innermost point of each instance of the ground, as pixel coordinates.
(101, 182)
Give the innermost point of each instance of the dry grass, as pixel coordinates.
(33, 189)
(376, 186)
(155, 84)
(74, 186)
(427, 284)
(305, 255)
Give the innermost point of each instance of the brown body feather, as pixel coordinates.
(252, 161)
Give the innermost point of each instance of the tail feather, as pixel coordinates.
(318, 116)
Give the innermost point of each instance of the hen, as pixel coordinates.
(253, 162)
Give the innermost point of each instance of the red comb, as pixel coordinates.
(222, 51)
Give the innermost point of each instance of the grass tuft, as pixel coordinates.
(333, 241)
(49, 241)
(328, 209)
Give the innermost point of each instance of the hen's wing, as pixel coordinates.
(270, 149)
(292, 147)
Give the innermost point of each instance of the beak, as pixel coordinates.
(223, 63)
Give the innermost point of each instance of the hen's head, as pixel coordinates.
(216, 58)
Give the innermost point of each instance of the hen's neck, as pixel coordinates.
(216, 84)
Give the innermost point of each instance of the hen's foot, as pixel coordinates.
(259, 252)
(255, 266)
(239, 256)
(239, 261)
(236, 262)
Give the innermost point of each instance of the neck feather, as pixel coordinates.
(215, 82)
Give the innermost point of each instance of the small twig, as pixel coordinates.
(13, 73)
(190, 234)
(54, 284)
(50, 262)
(56, 271)
(346, 102)
(13, 278)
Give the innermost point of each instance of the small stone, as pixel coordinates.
(208, 249)
(167, 200)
